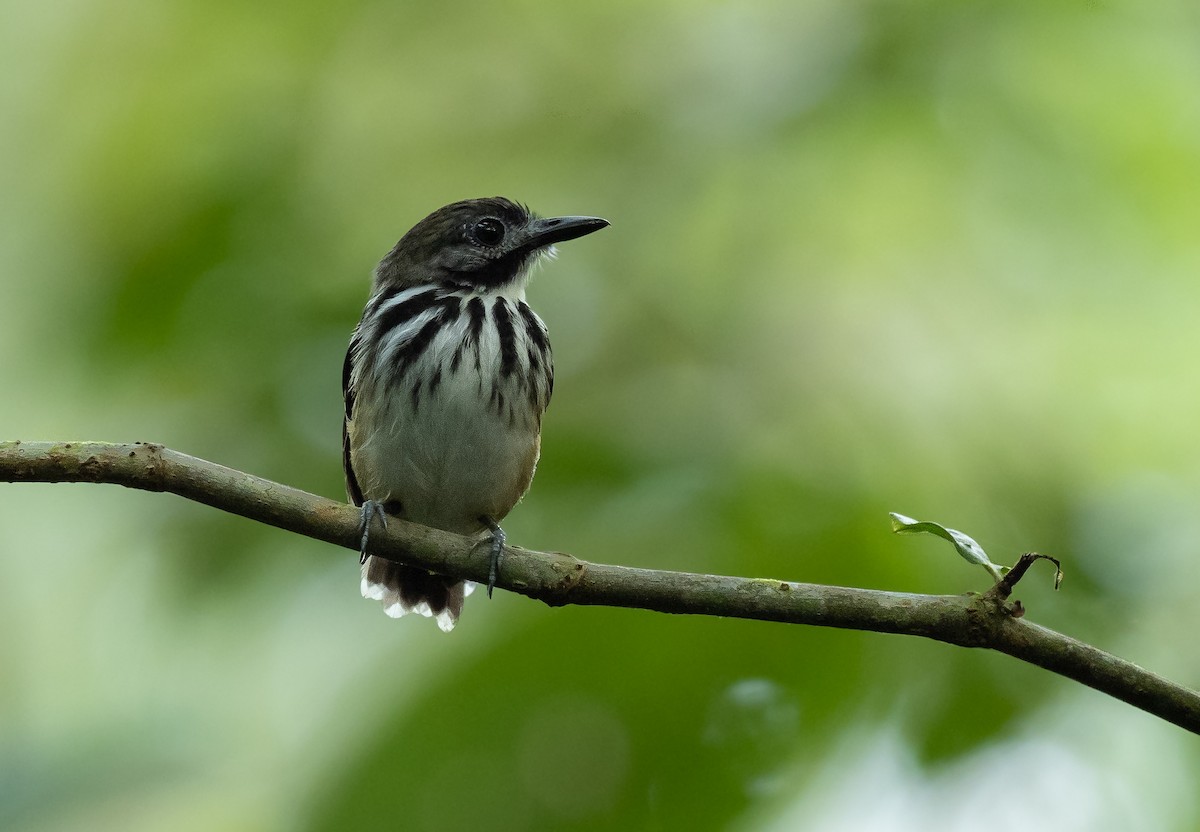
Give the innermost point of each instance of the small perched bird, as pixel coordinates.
(447, 377)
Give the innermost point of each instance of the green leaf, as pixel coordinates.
(971, 551)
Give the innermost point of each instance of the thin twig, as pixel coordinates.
(985, 620)
(1004, 587)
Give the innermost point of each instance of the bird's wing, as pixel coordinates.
(352, 488)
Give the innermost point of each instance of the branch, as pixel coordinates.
(985, 620)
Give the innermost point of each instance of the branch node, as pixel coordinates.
(569, 581)
(155, 469)
(570, 571)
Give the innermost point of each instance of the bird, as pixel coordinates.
(445, 382)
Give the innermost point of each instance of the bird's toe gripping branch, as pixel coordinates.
(498, 539)
(370, 510)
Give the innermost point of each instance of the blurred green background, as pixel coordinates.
(872, 256)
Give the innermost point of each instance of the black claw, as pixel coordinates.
(498, 539)
(370, 510)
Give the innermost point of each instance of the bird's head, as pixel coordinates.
(483, 244)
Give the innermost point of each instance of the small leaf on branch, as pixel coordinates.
(971, 551)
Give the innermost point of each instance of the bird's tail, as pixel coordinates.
(404, 589)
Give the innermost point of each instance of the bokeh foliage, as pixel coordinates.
(935, 258)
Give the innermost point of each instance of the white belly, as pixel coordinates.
(447, 465)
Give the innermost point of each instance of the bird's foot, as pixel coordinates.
(498, 539)
(370, 510)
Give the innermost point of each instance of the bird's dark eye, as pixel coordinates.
(489, 231)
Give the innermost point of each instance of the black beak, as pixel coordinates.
(546, 232)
